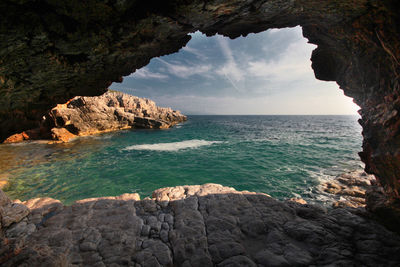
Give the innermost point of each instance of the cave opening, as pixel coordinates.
(281, 132)
(45, 61)
(267, 73)
(357, 48)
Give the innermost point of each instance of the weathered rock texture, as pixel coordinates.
(204, 225)
(82, 116)
(108, 112)
(349, 189)
(51, 51)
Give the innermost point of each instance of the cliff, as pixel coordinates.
(82, 116)
(207, 225)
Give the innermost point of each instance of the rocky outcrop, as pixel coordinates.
(207, 225)
(112, 111)
(33, 134)
(349, 189)
(51, 51)
(82, 116)
(62, 135)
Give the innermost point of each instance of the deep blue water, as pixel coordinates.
(284, 156)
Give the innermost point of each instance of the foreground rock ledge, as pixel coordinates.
(203, 225)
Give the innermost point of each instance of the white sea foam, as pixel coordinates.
(175, 146)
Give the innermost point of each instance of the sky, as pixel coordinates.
(265, 73)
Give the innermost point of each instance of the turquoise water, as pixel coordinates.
(284, 156)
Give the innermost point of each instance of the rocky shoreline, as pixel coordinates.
(112, 111)
(349, 189)
(207, 225)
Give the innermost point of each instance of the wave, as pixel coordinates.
(175, 146)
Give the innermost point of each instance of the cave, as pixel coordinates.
(53, 50)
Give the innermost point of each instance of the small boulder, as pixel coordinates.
(61, 134)
(16, 138)
(298, 200)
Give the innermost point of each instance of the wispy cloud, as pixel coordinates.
(185, 71)
(292, 65)
(144, 73)
(230, 69)
(195, 52)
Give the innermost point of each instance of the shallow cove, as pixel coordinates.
(284, 156)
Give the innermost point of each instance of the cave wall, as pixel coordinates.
(53, 50)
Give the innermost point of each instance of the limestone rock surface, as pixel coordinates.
(203, 225)
(349, 188)
(111, 111)
(82, 116)
(61, 134)
(37, 133)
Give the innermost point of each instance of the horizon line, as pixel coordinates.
(272, 114)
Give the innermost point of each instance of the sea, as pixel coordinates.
(283, 156)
